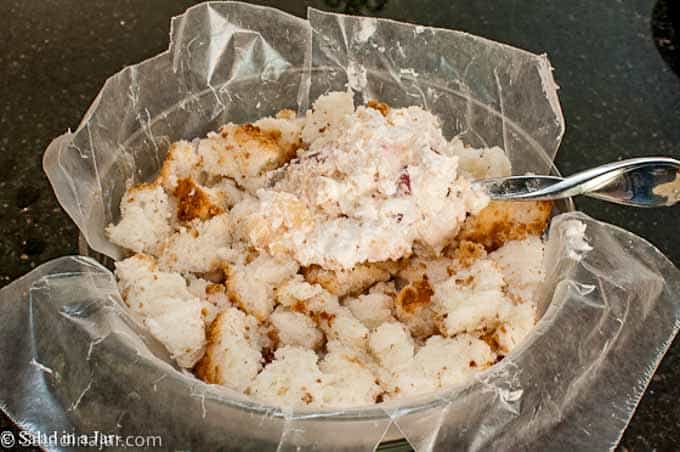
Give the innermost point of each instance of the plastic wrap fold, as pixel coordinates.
(72, 359)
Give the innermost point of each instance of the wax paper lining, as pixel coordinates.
(72, 358)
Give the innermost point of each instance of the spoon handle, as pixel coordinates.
(640, 182)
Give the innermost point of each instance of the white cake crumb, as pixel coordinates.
(348, 381)
(453, 360)
(472, 299)
(294, 328)
(440, 363)
(392, 345)
(343, 327)
(146, 219)
(435, 269)
(233, 356)
(227, 193)
(181, 329)
(413, 306)
(299, 295)
(251, 286)
(326, 115)
(287, 125)
(518, 322)
(196, 247)
(246, 152)
(213, 297)
(181, 163)
(352, 281)
(293, 379)
(372, 309)
(521, 263)
(165, 305)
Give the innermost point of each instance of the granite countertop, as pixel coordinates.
(616, 61)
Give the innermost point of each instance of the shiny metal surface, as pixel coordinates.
(640, 182)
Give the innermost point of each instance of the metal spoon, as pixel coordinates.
(640, 182)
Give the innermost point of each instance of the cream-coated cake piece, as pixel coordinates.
(368, 187)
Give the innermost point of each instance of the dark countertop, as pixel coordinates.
(613, 60)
